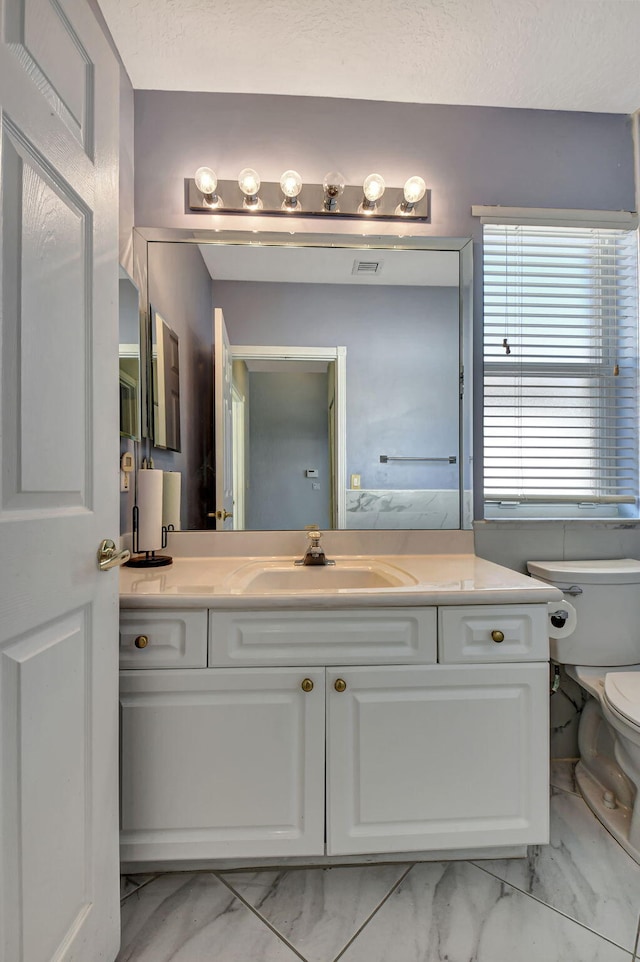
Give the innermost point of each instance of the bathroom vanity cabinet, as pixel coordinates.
(266, 733)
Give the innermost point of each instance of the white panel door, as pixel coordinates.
(436, 757)
(222, 763)
(58, 485)
(223, 421)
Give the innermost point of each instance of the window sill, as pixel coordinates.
(524, 521)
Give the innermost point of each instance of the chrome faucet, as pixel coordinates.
(314, 555)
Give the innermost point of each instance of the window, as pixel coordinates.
(560, 370)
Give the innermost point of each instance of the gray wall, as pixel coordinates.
(129, 312)
(126, 179)
(402, 365)
(125, 244)
(468, 155)
(288, 422)
(180, 290)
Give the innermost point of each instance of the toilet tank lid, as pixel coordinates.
(614, 571)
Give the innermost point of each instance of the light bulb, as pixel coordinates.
(333, 183)
(291, 183)
(333, 186)
(206, 180)
(249, 183)
(414, 190)
(373, 188)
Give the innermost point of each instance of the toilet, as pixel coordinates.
(602, 654)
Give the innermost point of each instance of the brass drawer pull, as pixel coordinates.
(141, 641)
(497, 636)
(340, 684)
(307, 685)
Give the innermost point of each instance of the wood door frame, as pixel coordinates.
(337, 355)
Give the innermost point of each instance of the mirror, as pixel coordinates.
(343, 404)
(129, 351)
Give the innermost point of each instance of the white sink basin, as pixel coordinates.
(269, 577)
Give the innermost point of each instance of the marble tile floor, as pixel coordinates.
(575, 900)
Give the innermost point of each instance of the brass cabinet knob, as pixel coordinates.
(307, 685)
(141, 641)
(340, 684)
(497, 636)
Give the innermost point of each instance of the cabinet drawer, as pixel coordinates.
(374, 636)
(175, 639)
(493, 633)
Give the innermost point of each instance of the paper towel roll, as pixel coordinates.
(171, 499)
(149, 503)
(565, 617)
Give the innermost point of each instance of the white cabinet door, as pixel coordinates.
(436, 757)
(222, 763)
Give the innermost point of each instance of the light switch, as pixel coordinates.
(126, 467)
(311, 472)
(355, 481)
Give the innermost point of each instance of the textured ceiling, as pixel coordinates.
(548, 54)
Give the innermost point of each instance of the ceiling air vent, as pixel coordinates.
(367, 267)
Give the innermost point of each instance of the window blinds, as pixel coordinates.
(560, 364)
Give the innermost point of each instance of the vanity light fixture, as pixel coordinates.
(414, 190)
(249, 184)
(207, 182)
(373, 187)
(333, 197)
(291, 184)
(333, 186)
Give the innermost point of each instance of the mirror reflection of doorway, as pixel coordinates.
(287, 436)
(288, 481)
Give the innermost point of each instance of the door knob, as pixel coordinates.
(307, 685)
(108, 557)
(220, 515)
(340, 684)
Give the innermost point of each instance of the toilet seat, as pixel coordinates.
(622, 693)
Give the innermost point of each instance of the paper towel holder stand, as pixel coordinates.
(148, 559)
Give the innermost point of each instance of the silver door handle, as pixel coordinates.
(108, 557)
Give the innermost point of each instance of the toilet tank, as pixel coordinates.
(608, 609)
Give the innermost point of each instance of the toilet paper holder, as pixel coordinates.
(563, 619)
(559, 618)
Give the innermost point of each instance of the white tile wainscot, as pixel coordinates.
(378, 509)
(333, 724)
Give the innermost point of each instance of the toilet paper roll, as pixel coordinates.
(562, 618)
(149, 503)
(172, 483)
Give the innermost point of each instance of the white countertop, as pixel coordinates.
(434, 579)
